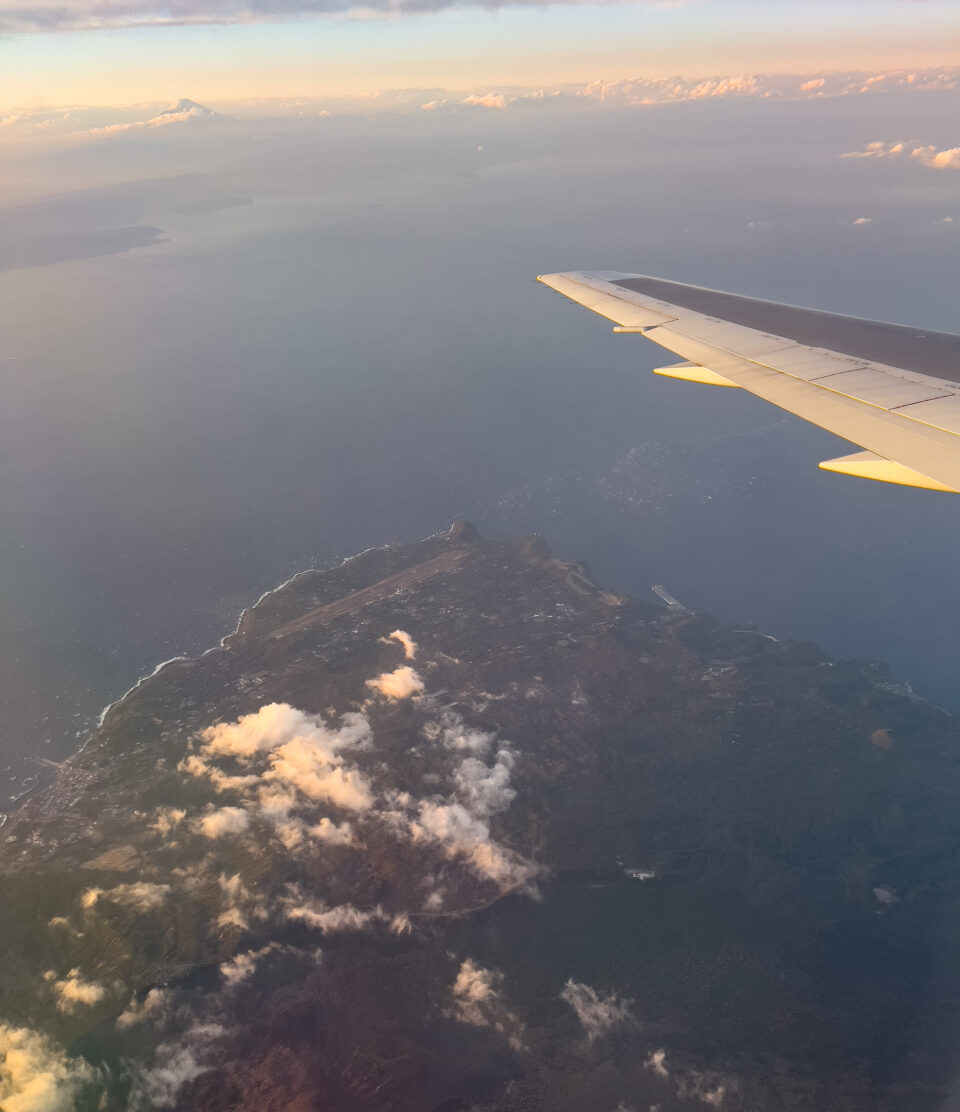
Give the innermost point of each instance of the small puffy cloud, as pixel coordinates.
(400, 924)
(195, 765)
(408, 643)
(474, 990)
(704, 1087)
(232, 917)
(401, 683)
(90, 897)
(226, 820)
(863, 220)
(947, 158)
(657, 1063)
(167, 819)
(73, 992)
(456, 736)
(36, 1075)
(597, 1014)
(243, 966)
(477, 1001)
(152, 1006)
(485, 789)
(334, 834)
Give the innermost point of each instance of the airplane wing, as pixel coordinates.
(891, 389)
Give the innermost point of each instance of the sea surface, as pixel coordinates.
(332, 339)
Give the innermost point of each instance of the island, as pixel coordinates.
(449, 826)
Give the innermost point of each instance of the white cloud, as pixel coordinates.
(243, 966)
(292, 762)
(167, 819)
(275, 725)
(408, 643)
(346, 917)
(401, 683)
(177, 1064)
(474, 990)
(462, 834)
(73, 992)
(645, 91)
(477, 1001)
(456, 736)
(36, 1075)
(597, 1014)
(705, 1087)
(460, 823)
(90, 897)
(232, 917)
(486, 789)
(226, 820)
(708, 1088)
(657, 1063)
(864, 220)
(947, 158)
(141, 896)
(297, 761)
(938, 159)
(137, 1011)
(310, 769)
(222, 781)
(332, 833)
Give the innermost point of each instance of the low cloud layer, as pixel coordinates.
(935, 158)
(36, 1076)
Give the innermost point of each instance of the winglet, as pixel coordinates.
(868, 465)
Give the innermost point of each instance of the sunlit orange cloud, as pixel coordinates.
(473, 49)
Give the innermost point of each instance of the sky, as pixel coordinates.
(122, 52)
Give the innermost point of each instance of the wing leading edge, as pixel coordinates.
(891, 389)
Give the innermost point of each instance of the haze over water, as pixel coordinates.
(267, 349)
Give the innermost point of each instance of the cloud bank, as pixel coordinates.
(935, 158)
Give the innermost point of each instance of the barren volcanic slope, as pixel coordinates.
(447, 827)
